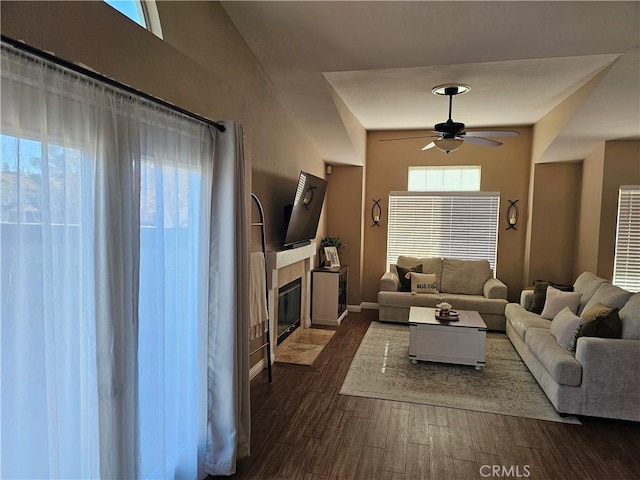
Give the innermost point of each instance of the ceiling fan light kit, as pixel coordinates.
(448, 145)
(450, 135)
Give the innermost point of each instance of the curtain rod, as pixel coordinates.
(109, 81)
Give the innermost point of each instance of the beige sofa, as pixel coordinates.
(602, 377)
(465, 284)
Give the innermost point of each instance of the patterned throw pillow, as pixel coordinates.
(405, 281)
(423, 283)
(564, 327)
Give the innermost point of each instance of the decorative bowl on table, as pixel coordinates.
(445, 313)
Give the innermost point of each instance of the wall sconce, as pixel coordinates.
(513, 214)
(376, 213)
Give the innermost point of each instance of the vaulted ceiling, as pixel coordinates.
(346, 67)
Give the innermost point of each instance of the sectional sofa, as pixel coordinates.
(601, 377)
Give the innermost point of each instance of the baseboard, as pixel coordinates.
(257, 368)
(369, 306)
(354, 308)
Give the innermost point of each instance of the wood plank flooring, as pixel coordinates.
(303, 429)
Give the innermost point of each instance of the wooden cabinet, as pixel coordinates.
(329, 295)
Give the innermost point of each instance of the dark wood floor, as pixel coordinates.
(303, 429)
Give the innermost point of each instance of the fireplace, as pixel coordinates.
(289, 303)
(285, 267)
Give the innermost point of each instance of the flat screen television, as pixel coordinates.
(304, 214)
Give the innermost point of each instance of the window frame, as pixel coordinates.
(442, 185)
(626, 260)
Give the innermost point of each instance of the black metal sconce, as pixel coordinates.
(513, 214)
(376, 212)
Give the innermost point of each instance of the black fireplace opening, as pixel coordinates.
(289, 301)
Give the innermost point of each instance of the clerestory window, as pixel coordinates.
(143, 12)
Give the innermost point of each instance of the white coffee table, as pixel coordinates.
(462, 342)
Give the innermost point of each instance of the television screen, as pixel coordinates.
(305, 211)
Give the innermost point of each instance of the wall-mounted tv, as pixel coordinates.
(302, 223)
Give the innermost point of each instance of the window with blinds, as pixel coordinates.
(443, 224)
(626, 269)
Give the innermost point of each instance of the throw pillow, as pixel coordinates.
(564, 327)
(405, 280)
(540, 293)
(606, 325)
(423, 283)
(598, 310)
(557, 300)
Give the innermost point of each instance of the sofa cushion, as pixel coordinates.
(609, 295)
(540, 293)
(423, 283)
(464, 276)
(405, 299)
(475, 302)
(557, 300)
(521, 320)
(605, 325)
(630, 318)
(564, 328)
(405, 278)
(587, 284)
(560, 363)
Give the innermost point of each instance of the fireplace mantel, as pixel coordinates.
(281, 265)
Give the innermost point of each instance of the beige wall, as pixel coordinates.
(202, 65)
(589, 217)
(609, 166)
(621, 167)
(345, 220)
(504, 169)
(553, 222)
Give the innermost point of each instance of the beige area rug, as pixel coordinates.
(303, 346)
(382, 369)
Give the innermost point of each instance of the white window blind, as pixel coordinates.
(626, 270)
(443, 224)
(440, 179)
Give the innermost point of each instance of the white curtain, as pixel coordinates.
(229, 422)
(106, 299)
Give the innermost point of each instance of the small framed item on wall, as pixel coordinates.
(331, 254)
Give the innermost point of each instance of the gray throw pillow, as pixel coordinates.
(564, 327)
(557, 300)
(540, 293)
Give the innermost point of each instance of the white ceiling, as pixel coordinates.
(382, 59)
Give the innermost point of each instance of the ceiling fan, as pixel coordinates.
(450, 135)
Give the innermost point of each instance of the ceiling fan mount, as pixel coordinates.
(451, 135)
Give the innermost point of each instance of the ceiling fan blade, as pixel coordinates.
(427, 147)
(491, 133)
(481, 141)
(431, 134)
